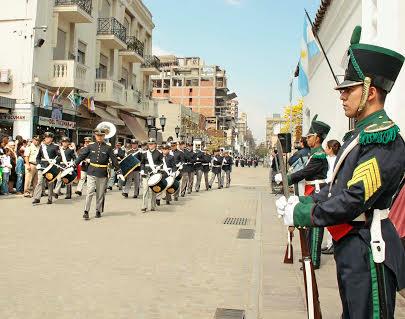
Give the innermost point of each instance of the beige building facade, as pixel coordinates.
(96, 49)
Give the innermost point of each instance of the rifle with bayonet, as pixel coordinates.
(311, 287)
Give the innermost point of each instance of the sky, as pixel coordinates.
(257, 42)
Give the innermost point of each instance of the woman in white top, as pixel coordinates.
(331, 150)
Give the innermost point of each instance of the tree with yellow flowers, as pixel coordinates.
(292, 114)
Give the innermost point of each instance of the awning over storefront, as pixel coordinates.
(5, 102)
(134, 126)
(108, 117)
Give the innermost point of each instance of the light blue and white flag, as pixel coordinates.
(46, 101)
(309, 49)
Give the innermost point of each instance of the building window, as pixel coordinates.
(81, 52)
(165, 91)
(159, 91)
(101, 71)
(59, 51)
(124, 78)
(177, 82)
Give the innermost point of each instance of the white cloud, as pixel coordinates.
(159, 51)
(233, 2)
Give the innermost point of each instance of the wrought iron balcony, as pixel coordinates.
(151, 61)
(85, 5)
(111, 26)
(133, 44)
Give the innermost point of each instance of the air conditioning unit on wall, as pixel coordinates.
(5, 76)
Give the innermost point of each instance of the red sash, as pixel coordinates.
(309, 189)
(397, 215)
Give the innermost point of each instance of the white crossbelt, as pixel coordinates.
(383, 215)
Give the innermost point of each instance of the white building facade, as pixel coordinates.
(99, 49)
(382, 22)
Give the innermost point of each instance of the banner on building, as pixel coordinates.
(57, 111)
(46, 121)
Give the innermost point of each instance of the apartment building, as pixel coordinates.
(190, 82)
(96, 49)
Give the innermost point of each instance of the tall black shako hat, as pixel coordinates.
(380, 65)
(319, 128)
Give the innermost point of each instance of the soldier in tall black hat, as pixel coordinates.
(48, 154)
(178, 154)
(134, 176)
(314, 174)
(67, 156)
(83, 167)
(368, 170)
(199, 155)
(188, 170)
(99, 154)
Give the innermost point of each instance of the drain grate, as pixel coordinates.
(245, 233)
(236, 221)
(223, 313)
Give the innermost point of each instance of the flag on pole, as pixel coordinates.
(92, 108)
(72, 99)
(45, 102)
(55, 96)
(309, 49)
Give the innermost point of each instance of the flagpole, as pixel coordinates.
(320, 44)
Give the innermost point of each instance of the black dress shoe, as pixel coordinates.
(182, 195)
(158, 202)
(210, 187)
(167, 202)
(78, 193)
(110, 188)
(125, 195)
(328, 251)
(143, 210)
(86, 215)
(135, 196)
(36, 201)
(49, 201)
(152, 209)
(197, 190)
(56, 196)
(176, 199)
(68, 197)
(98, 214)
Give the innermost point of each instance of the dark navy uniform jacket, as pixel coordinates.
(178, 157)
(216, 164)
(99, 154)
(206, 160)
(189, 159)
(69, 154)
(198, 160)
(227, 166)
(53, 153)
(157, 158)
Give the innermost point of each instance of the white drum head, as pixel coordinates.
(154, 179)
(170, 180)
(66, 172)
(47, 168)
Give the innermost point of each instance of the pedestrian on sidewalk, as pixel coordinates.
(31, 172)
(368, 171)
(331, 150)
(20, 171)
(5, 163)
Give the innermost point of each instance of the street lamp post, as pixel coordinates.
(162, 120)
(177, 131)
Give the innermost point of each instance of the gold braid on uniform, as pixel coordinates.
(369, 174)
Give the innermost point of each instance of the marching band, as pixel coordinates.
(162, 172)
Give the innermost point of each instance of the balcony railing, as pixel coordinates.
(113, 27)
(134, 44)
(151, 61)
(85, 5)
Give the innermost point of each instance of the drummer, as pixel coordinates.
(178, 153)
(169, 167)
(151, 160)
(83, 168)
(134, 176)
(47, 155)
(99, 154)
(67, 156)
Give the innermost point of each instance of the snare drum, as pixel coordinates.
(172, 185)
(68, 176)
(51, 172)
(128, 164)
(157, 183)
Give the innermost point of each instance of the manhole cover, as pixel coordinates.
(245, 233)
(236, 221)
(223, 313)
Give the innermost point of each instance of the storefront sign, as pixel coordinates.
(12, 117)
(46, 121)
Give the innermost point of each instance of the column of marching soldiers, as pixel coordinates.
(162, 172)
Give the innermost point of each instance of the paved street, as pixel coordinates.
(179, 262)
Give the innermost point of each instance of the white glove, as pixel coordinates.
(39, 166)
(121, 177)
(278, 178)
(288, 215)
(281, 204)
(52, 161)
(142, 172)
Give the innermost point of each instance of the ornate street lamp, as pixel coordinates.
(162, 120)
(149, 121)
(177, 131)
